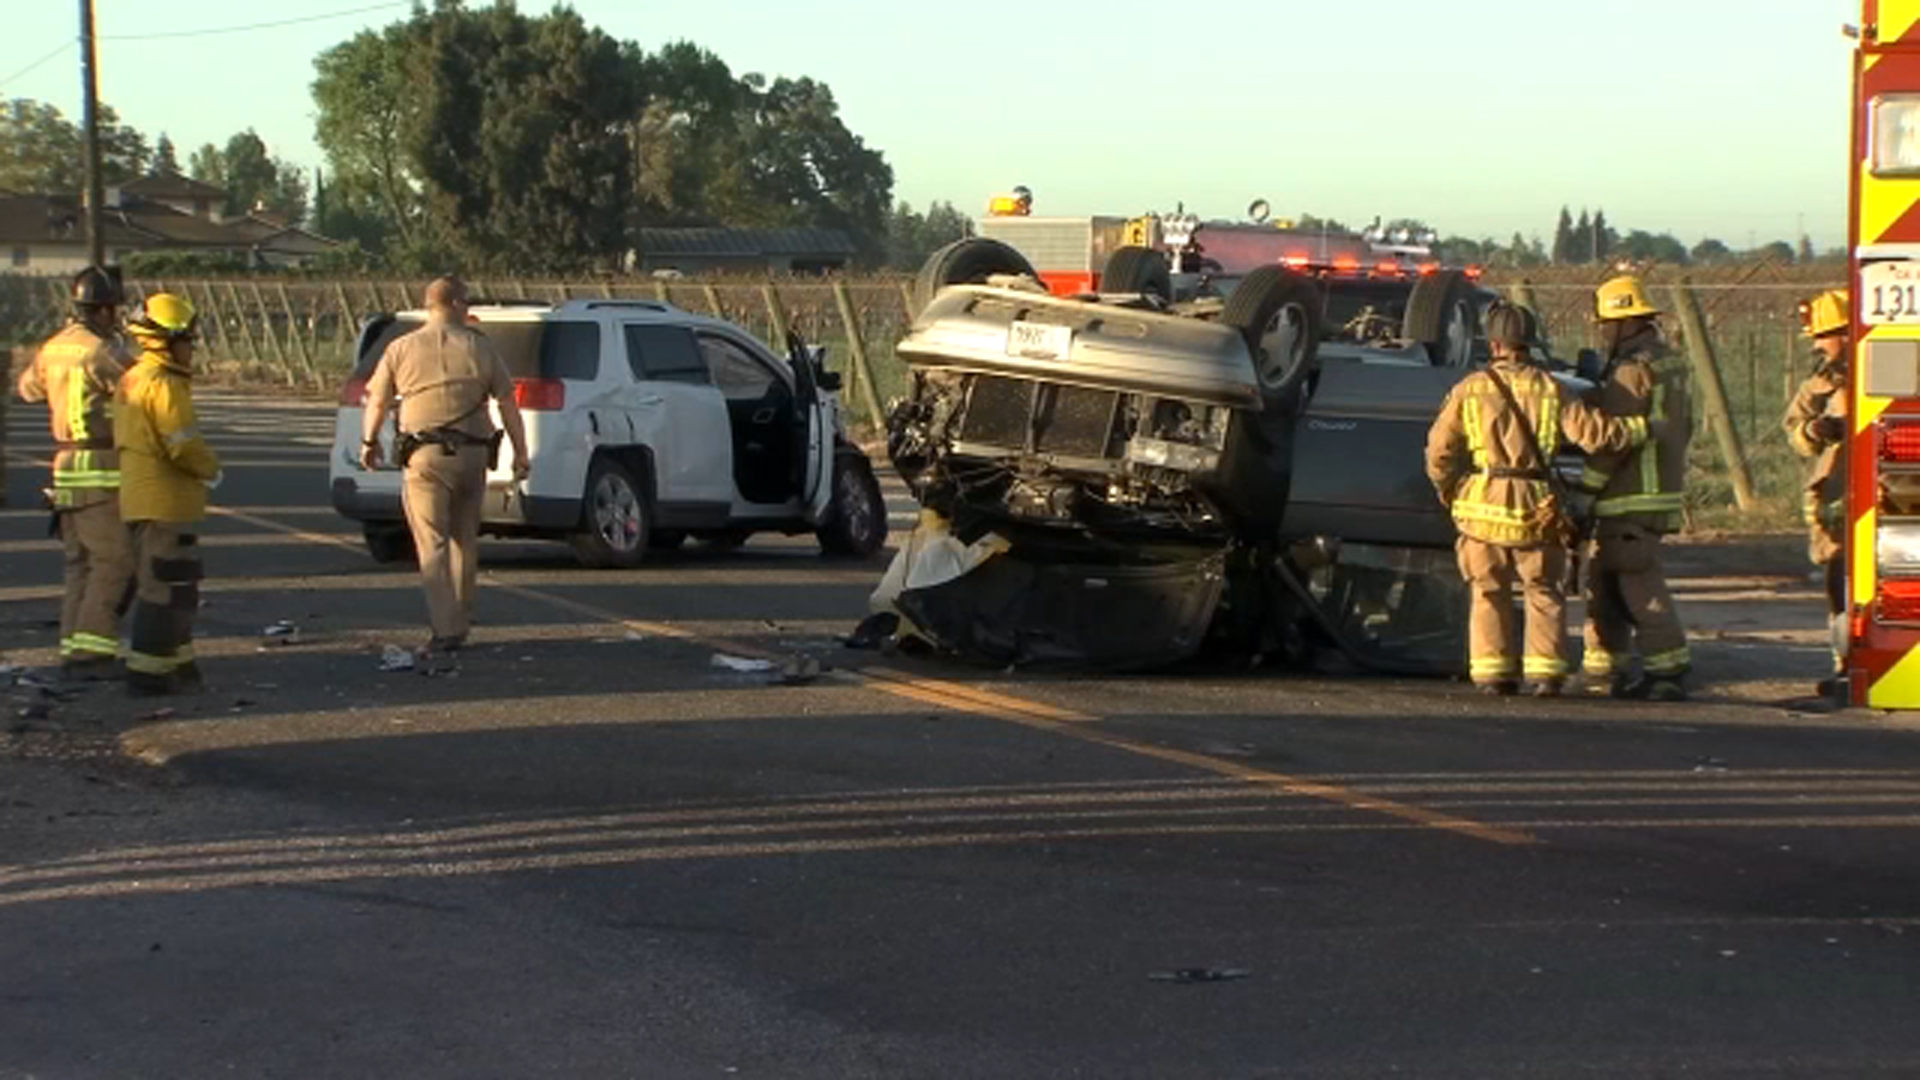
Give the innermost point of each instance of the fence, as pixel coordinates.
(300, 333)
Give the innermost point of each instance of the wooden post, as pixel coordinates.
(712, 297)
(1521, 293)
(256, 353)
(857, 355)
(906, 301)
(660, 291)
(281, 352)
(1713, 393)
(293, 332)
(776, 316)
(349, 326)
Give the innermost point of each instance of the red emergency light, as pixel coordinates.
(1346, 264)
(1898, 600)
(540, 395)
(1900, 443)
(1387, 269)
(1296, 262)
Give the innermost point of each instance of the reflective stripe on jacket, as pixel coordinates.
(165, 464)
(1823, 394)
(1646, 485)
(1480, 463)
(76, 373)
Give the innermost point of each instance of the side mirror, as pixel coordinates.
(1589, 366)
(828, 380)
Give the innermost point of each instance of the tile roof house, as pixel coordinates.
(47, 234)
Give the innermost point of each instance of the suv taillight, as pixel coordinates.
(354, 392)
(542, 395)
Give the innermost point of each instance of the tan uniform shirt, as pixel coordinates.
(76, 372)
(444, 374)
(1480, 463)
(1646, 486)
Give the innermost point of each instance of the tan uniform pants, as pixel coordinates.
(99, 567)
(1493, 574)
(167, 597)
(444, 497)
(1628, 605)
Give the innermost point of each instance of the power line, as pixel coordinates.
(212, 30)
(64, 46)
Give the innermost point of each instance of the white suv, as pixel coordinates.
(646, 425)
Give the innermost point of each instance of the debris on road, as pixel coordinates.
(798, 670)
(281, 633)
(873, 631)
(156, 716)
(1200, 975)
(395, 658)
(635, 635)
(741, 664)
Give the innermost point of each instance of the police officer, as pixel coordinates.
(1488, 456)
(1816, 424)
(1638, 498)
(76, 372)
(168, 469)
(444, 374)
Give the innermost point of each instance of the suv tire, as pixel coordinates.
(615, 518)
(389, 542)
(966, 262)
(1135, 269)
(1279, 313)
(856, 523)
(1441, 315)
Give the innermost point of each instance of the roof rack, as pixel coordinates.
(595, 304)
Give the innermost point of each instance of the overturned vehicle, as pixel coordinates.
(1180, 463)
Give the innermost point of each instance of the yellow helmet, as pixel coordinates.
(165, 318)
(1623, 297)
(1828, 313)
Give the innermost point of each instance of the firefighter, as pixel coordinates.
(76, 372)
(1816, 424)
(168, 469)
(1488, 455)
(444, 374)
(1637, 498)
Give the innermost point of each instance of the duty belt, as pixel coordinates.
(85, 444)
(1504, 472)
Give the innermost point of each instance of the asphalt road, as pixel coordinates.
(590, 851)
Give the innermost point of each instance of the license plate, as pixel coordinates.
(1039, 341)
(1890, 293)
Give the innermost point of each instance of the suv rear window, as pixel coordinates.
(532, 350)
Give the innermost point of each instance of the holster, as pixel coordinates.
(403, 448)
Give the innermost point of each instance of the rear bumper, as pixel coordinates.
(505, 508)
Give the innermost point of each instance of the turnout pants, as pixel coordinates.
(1628, 605)
(1494, 573)
(99, 567)
(167, 597)
(444, 496)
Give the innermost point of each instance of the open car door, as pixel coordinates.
(816, 419)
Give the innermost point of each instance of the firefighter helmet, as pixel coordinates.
(1508, 324)
(94, 287)
(167, 318)
(1826, 314)
(1623, 297)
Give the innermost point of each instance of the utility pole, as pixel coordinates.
(90, 112)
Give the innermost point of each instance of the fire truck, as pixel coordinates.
(1070, 253)
(1883, 452)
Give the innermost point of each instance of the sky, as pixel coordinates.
(1723, 118)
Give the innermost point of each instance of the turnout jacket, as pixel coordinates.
(1824, 393)
(1478, 457)
(1647, 485)
(75, 372)
(165, 463)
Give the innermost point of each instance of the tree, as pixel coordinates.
(1310, 223)
(42, 153)
(164, 162)
(1710, 250)
(911, 236)
(252, 178)
(1603, 236)
(1562, 237)
(1641, 245)
(1805, 253)
(1779, 251)
(1522, 253)
(1580, 241)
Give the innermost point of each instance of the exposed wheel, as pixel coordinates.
(1279, 311)
(389, 541)
(856, 522)
(614, 523)
(1442, 315)
(666, 539)
(966, 262)
(1135, 269)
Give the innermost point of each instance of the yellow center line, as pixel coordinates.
(975, 701)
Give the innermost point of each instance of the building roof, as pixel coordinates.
(55, 219)
(140, 223)
(171, 186)
(745, 243)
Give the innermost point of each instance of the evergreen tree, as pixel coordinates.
(1603, 237)
(1562, 238)
(1580, 245)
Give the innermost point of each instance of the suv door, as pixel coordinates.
(679, 415)
(764, 412)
